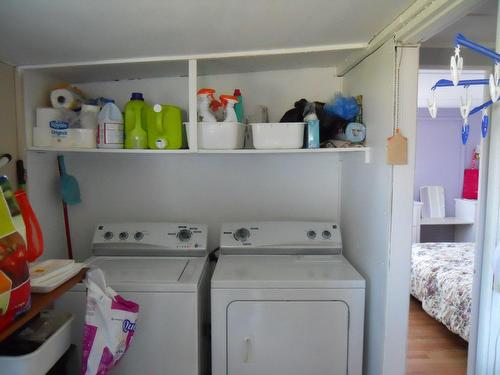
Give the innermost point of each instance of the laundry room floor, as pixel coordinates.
(432, 349)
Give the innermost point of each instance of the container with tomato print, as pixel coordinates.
(15, 297)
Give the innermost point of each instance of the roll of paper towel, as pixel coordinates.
(353, 132)
(68, 98)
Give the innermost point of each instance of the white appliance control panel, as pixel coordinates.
(144, 239)
(281, 237)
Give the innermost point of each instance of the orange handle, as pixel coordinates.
(34, 236)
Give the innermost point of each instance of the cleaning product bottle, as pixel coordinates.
(164, 127)
(238, 108)
(135, 122)
(205, 96)
(217, 109)
(311, 135)
(137, 138)
(228, 101)
(88, 116)
(110, 130)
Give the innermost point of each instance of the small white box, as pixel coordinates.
(278, 135)
(466, 208)
(433, 199)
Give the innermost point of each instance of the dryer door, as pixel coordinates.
(287, 337)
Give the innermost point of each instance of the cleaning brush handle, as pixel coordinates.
(60, 162)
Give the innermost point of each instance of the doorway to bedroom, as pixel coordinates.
(447, 198)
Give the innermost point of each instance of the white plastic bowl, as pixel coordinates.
(220, 135)
(278, 135)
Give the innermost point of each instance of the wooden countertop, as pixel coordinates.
(40, 301)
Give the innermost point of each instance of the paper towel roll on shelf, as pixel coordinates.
(354, 132)
(67, 98)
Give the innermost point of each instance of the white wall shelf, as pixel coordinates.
(365, 150)
(446, 221)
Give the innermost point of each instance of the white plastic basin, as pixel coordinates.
(278, 135)
(220, 135)
(44, 357)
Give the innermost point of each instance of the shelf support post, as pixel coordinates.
(193, 110)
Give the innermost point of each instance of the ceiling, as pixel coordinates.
(479, 26)
(62, 31)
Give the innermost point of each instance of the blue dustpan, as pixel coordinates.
(70, 190)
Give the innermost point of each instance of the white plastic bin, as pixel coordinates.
(41, 360)
(278, 135)
(220, 135)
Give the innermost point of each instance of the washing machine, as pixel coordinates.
(163, 267)
(284, 301)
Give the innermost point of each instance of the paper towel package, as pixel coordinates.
(56, 128)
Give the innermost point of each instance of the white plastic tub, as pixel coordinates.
(220, 135)
(45, 356)
(278, 135)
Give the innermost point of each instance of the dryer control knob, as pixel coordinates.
(242, 234)
(184, 235)
(326, 234)
(311, 234)
(108, 235)
(138, 236)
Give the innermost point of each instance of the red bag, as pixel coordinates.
(471, 182)
(15, 297)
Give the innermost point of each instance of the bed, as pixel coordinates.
(441, 278)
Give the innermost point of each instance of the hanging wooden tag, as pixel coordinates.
(397, 149)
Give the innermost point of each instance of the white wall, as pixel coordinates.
(367, 195)
(8, 133)
(193, 188)
(488, 350)
(198, 188)
(277, 89)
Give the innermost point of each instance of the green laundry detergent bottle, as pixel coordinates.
(164, 125)
(135, 122)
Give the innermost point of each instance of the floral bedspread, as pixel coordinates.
(441, 278)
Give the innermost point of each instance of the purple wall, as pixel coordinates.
(440, 155)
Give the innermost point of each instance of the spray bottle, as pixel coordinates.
(240, 112)
(205, 96)
(228, 101)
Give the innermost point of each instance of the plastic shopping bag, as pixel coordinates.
(15, 290)
(109, 326)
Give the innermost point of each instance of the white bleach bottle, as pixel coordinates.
(110, 132)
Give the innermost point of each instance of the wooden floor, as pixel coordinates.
(432, 349)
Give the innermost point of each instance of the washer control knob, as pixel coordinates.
(326, 234)
(138, 236)
(108, 235)
(123, 236)
(311, 234)
(242, 234)
(184, 235)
